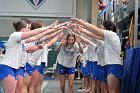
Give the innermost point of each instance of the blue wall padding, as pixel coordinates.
(135, 71)
(128, 66)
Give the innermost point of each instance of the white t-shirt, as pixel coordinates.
(67, 56)
(84, 56)
(112, 48)
(44, 56)
(1, 57)
(100, 52)
(13, 55)
(92, 56)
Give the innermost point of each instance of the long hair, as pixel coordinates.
(70, 35)
(109, 25)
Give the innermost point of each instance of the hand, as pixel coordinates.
(63, 41)
(60, 35)
(41, 46)
(78, 39)
(78, 21)
(53, 24)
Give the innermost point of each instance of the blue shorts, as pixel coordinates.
(116, 70)
(103, 74)
(95, 72)
(6, 70)
(40, 68)
(64, 70)
(87, 71)
(29, 69)
(22, 71)
(92, 64)
(81, 68)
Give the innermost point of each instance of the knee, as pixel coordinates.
(62, 86)
(26, 84)
(70, 85)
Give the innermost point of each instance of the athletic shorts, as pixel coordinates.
(6, 70)
(40, 68)
(95, 72)
(65, 70)
(21, 71)
(81, 68)
(103, 74)
(87, 71)
(116, 70)
(29, 69)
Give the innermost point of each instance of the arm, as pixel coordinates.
(31, 33)
(50, 43)
(52, 35)
(78, 39)
(63, 42)
(31, 49)
(37, 37)
(85, 40)
(90, 34)
(97, 31)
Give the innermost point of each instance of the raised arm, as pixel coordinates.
(52, 35)
(97, 31)
(37, 37)
(90, 34)
(78, 39)
(52, 41)
(31, 33)
(85, 40)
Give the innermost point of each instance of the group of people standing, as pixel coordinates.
(27, 49)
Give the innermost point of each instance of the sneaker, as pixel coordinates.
(78, 78)
(81, 89)
(86, 91)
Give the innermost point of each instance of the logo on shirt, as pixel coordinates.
(35, 3)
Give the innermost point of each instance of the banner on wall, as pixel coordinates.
(42, 8)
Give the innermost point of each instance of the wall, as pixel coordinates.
(82, 9)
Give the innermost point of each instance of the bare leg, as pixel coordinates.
(86, 83)
(93, 87)
(9, 84)
(98, 86)
(113, 84)
(70, 82)
(26, 82)
(34, 80)
(104, 88)
(19, 84)
(39, 84)
(62, 83)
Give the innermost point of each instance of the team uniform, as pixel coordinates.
(32, 61)
(43, 60)
(92, 62)
(67, 59)
(84, 58)
(13, 56)
(112, 54)
(101, 61)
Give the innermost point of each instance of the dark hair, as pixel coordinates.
(70, 35)
(26, 20)
(19, 25)
(36, 24)
(109, 25)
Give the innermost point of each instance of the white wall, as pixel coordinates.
(83, 10)
(50, 8)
